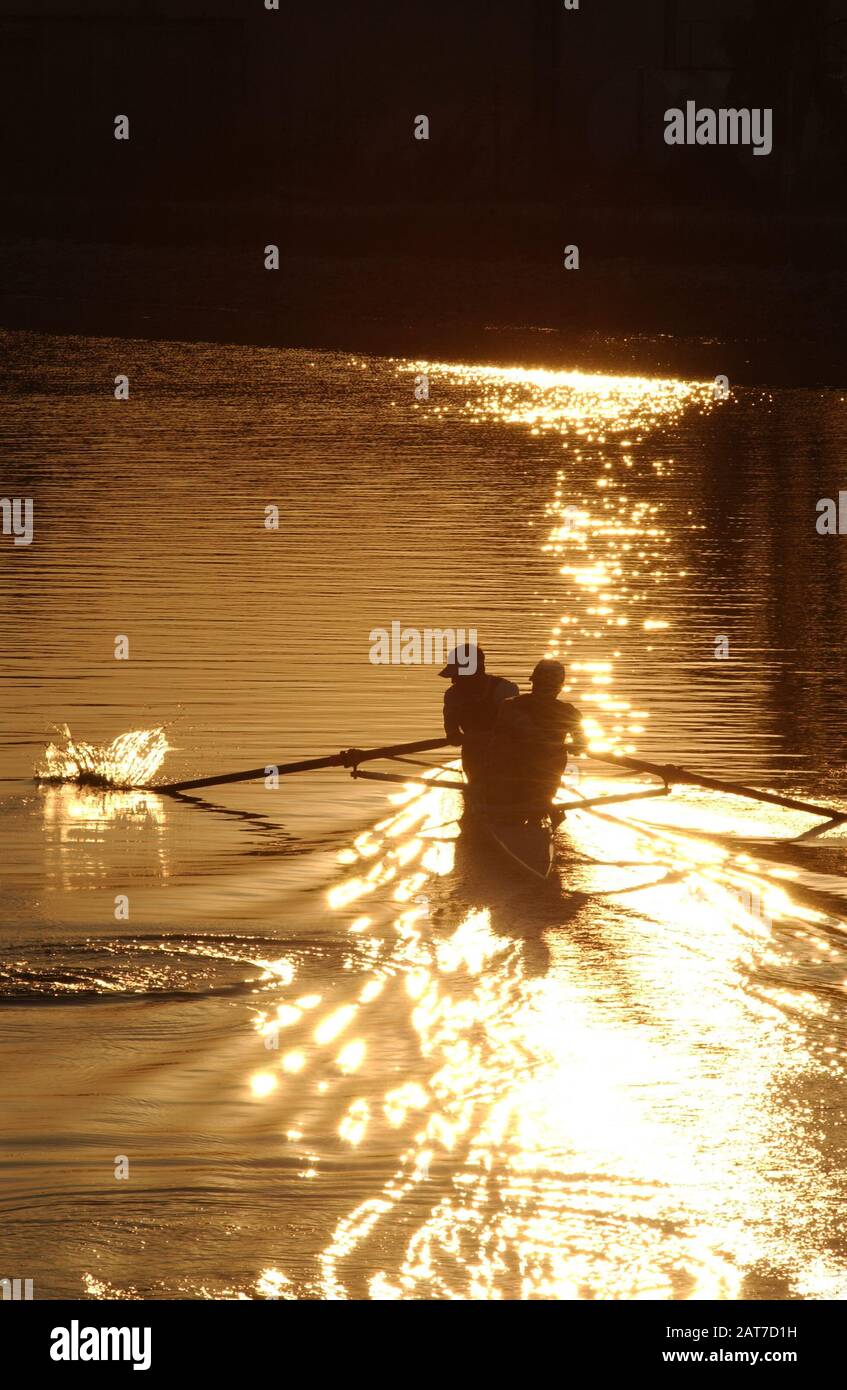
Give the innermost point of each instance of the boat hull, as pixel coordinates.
(527, 844)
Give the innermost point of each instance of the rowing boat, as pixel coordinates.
(527, 842)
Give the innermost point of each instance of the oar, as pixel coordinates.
(405, 779)
(348, 757)
(680, 776)
(583, 805)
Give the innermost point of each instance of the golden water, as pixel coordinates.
(345, 1052)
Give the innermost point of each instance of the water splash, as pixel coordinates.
(130, 760)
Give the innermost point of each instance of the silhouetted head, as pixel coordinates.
(463, 662)
(548, 678)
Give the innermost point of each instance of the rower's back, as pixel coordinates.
(528, 750)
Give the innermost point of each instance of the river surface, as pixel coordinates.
(306, 1042)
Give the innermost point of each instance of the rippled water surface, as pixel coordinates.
(340, 1050)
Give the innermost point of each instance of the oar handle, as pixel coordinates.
(351, 757)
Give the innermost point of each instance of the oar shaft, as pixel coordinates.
(347, 758)
(617, 799)
(583, 805)
(404, 780)
(680, 776)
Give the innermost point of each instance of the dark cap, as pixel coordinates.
(464, 661)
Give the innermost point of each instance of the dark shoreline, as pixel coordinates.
(760, 325)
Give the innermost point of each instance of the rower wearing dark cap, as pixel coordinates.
(471, 705)
(528, 750)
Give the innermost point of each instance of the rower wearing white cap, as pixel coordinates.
(471, 705)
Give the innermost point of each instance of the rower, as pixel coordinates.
(471, 705)
(528, 750)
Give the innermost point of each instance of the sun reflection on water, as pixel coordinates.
(607, 1124)
(557, 1136)
(615, 554)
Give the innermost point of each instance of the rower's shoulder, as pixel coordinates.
(514, 704)
(496, 688)
(567, 713)
(505, 689)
